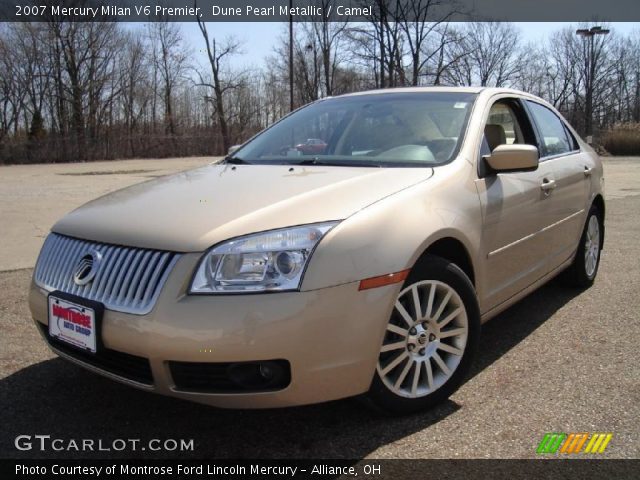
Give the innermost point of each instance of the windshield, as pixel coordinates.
(377, 130)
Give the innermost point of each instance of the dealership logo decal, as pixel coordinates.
(72, 319)
(87, 268)
(574, 443)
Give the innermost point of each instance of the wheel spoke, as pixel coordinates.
(449, 317)
(404, 314)
(448, 348)
(443, 305)
(417, 307)
(396, 329)
(416, 379)
(394, 364)
(427, 364)
(432, 294)
(392, 346)
(404, 373)
(453, 333)
(443, 366)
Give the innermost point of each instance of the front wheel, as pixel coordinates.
(430, 339)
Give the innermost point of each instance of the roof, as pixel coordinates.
(418, 89)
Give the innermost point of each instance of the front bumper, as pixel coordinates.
(330, 337)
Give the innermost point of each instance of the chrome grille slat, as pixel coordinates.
(82, 247)
(69, 285)
(138, 299)
(156, 275)
(67, 266)
(52, 252)
(128, 279)
(54, 256)
(105, 262)
(135, 281)
(119, 257)
(121, 274)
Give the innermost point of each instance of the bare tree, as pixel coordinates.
(443, 54)
(83, 70)
(329, 37)
(419, 20)
(134, 76)
(83, 91)
(170, 56)
(217, 54)
(489, 55)
(11, 96)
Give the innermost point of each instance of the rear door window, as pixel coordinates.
(554, 137)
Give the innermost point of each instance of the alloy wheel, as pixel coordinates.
(425, 339)
(592, 246)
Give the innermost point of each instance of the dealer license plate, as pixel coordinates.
(72, 323)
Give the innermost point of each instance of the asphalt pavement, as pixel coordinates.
(561, 360)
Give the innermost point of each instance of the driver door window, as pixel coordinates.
(502, 127)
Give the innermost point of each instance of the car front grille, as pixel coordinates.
(130, 367)
(126, 279)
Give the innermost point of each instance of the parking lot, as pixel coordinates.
(561, 360)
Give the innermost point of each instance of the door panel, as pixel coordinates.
(568, 199)
(516, 246)
(567, 202)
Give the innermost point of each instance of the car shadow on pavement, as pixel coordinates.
(59, 399)
(512, 326)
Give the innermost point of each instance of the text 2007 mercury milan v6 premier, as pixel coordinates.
(283, 277)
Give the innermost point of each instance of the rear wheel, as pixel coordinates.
(584, 268)
(429, 341)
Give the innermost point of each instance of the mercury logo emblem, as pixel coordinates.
(86, 268)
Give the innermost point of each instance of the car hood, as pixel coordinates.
(193, 210)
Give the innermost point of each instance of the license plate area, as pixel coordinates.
(75, 321)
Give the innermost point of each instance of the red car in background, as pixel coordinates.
(311, 146)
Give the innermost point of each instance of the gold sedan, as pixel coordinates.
(286, 276)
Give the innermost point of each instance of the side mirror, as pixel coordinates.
(513, 158)
(233, 149)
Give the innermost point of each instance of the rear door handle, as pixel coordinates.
(547, 185)
(588, 171)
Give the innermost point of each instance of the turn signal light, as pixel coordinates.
(383, 280)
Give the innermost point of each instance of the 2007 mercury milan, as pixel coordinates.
(283, 277)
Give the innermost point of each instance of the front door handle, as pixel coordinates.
(588, 171)
(547, 185)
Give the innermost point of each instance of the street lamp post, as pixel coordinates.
(290, 57)
(589, 35)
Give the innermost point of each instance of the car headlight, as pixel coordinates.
(268, 261)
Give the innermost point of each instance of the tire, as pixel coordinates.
(438, 346)
(584, 268)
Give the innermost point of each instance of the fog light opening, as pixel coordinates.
(266, 371)
(258, 375)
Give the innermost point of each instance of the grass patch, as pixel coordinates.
(623, 139)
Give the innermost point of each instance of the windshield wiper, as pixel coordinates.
(337, 163)
(235, 161)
